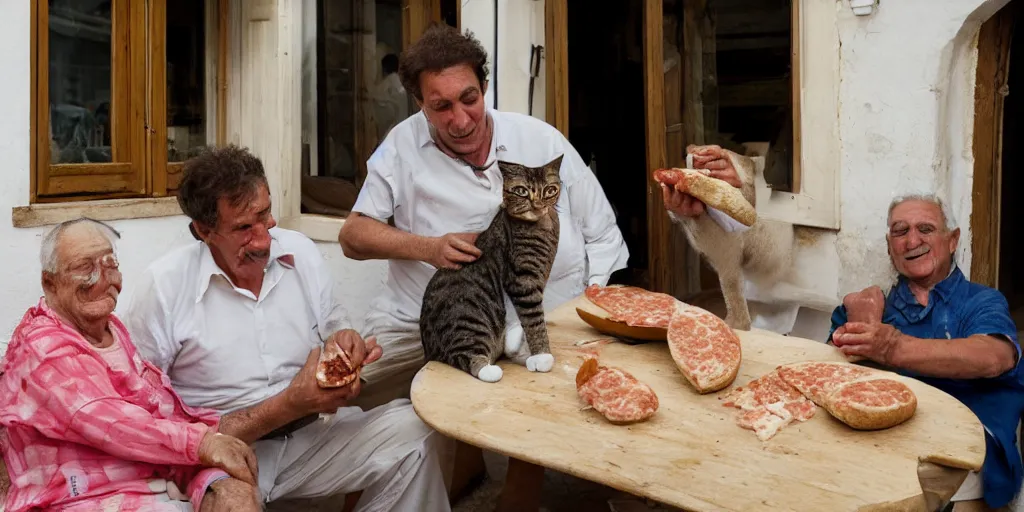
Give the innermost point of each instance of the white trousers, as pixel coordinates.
(390, 377)
(387, 452)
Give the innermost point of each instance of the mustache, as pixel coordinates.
(257, 255)
(920, 251)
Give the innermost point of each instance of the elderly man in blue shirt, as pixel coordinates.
(953, 334)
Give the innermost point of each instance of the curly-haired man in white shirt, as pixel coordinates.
(436, 177)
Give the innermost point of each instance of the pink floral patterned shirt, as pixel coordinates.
(78, 434)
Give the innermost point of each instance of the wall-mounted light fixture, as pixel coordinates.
(863, 7)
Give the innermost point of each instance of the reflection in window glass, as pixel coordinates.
(186, 89)
(79, 81)
(352, 96)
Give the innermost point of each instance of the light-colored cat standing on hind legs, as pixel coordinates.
(759, 257)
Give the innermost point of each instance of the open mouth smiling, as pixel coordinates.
(460, 137)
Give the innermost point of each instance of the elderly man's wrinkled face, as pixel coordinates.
(920, 246)
(87, 282)
(453, 101)
(241, 240)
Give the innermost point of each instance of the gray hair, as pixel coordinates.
(947, 214)
(48, 250)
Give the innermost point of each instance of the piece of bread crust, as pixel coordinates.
(599, 320)
(681, 359)
(592, 368)
(711, 191)
(842, 405)
(718, 384)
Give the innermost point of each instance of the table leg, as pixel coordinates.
(939, 483)
(468, 470)
(523, 485)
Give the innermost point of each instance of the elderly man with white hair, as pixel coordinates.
(89, 425)
(953, 334)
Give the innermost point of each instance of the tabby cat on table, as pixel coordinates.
(462, 321)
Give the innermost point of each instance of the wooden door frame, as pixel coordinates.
(417, 15)
(556, 64)
(992, 75)
(669, 267)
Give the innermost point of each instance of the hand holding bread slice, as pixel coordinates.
(334, 368)
(712, 192)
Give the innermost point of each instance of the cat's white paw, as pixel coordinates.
(540, 363)
(490, 373)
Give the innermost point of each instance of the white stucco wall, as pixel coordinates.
(906, 121)
(905, 124)
(142, 240)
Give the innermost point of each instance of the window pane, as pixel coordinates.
(186, 78)
(748, 81)
(79, 81)
(351, 96)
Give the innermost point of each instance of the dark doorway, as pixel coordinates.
(606, 115)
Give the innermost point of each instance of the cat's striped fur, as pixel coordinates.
(462, 321)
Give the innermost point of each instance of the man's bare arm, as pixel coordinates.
(252, 423)
(975, 357)
(303, 396)
(366, 238)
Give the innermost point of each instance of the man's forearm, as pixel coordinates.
(365, 238)
(974, 357)
(252, 423)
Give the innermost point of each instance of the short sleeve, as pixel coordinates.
(377, 196)
(988, 313)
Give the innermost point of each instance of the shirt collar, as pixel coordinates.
(944, 290)
(209, 268)
(423, 138)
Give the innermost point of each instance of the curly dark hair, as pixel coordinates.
(217, 172)
(440, 47)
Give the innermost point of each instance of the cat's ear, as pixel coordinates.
(555, 165)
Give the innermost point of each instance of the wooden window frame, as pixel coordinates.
(125, 175)
(816, 146)
(140, 169)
